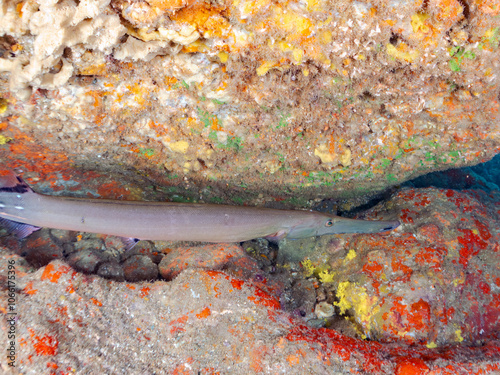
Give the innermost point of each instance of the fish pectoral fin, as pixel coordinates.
(276, 236)
(20, 230)
(129, 242)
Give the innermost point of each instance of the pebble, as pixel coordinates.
(84, 261)
(62, 236)
(324, 310)
(145, 248)
(68, 248)
(139, 268)
(39, 249)
(113, 242)
(89, 244)
(111, 270)
(262, 251)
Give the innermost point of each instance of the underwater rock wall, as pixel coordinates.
(330, 98)
(203, 322)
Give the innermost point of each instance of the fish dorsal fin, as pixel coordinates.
(10, 183)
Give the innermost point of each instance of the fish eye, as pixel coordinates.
(329, 223)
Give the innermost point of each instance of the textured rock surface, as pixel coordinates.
(202, 322)
(434, 280)
(40, 250)
(139, 268)
(258, 103)
(271, 96)
(210, 257)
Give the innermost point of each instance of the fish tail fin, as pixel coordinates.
(12, 185)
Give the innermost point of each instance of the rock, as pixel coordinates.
(111, 270)
(63, 236)
(10, 261)
(139, 268)
(344, 326)
(113, 242)
(203, 321)
(68, 248)
(324, 310)
(371, 127)
(39, 249)
(210, 256)
(88, 244)
(263, 252)
(84, 261)
(145, 248)
(434, 280)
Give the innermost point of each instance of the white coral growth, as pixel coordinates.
(55, 26)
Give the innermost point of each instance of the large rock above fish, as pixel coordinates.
(307, 96)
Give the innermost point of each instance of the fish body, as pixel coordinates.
(25, 211)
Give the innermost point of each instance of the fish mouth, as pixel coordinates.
(391, 225)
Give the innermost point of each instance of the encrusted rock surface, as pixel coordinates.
(434, 280)
(210, 257)
(139, 268)
(202, 322)
(319, 98)
(261, 103)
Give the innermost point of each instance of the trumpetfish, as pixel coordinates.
(24, 211)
